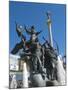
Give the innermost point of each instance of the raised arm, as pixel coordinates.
(37, 33)
(29, 32)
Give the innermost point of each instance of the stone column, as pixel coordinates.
(49, 28)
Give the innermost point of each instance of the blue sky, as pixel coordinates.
(35, 14)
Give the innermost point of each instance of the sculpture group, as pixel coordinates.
(42, 58)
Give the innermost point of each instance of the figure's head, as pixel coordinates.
(32, 28)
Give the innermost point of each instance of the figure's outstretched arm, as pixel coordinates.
(38, 33)
(29, 32)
